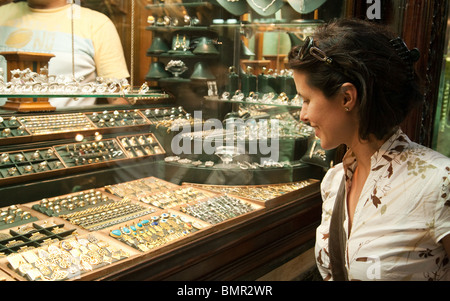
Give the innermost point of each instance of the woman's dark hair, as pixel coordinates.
(387, 85)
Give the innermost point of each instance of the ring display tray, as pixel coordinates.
(220, 209)
(269, 195)
(117, 118)
(86, 256)
(136, 189)
(157, 232)
(32, 235)
(92, 210)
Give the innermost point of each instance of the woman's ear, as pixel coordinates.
(350, 96)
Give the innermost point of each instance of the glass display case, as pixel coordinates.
(209, 147)
(441, 133)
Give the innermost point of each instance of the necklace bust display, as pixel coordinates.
(265, 7)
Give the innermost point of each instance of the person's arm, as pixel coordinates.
(109, 58)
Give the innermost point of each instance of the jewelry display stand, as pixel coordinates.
(35, 62)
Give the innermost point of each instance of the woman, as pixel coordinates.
(358, 84)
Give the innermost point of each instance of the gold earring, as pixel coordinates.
(347, 109)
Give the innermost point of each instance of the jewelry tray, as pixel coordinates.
(100, 209)
(64, 158)
(118, 255)
(309, 185)
(44, 227)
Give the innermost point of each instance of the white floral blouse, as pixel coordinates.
(401, 216)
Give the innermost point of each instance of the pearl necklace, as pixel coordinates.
(263, 8)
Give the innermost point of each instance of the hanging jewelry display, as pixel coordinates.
(235, 7)
(305, 6)
(265, 7)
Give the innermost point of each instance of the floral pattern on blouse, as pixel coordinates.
(402, 214)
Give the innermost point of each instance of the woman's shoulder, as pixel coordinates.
(331, 181)
(423, 158)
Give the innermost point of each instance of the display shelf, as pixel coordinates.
(56, 126)
(60, 159)
(177, 4)
(70, 95)
(185, 56)
(272, 25)
(248, 102)
(173, 28)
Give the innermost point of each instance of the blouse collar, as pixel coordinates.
(390, 148)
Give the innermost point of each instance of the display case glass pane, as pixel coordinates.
(441, 133)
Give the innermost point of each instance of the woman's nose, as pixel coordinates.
(304, 115)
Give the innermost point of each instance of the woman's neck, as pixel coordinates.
(363, 151)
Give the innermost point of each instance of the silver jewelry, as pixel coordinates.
(263, 8)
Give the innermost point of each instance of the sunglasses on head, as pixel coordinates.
(309, 48)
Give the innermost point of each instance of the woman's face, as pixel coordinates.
(332, 123)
